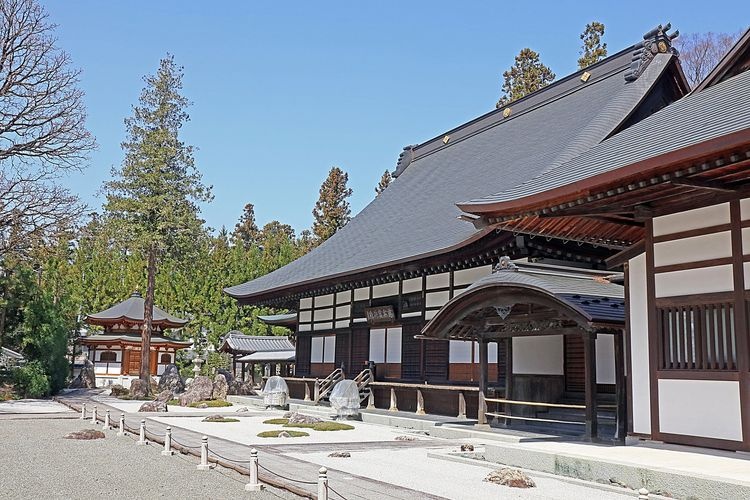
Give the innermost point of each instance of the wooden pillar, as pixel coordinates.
(509, 368)
(483, 371)
(620, 388)
(589, 356)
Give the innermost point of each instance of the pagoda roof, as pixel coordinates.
(130, 311)
(416, 217)
(133, 338)
(239, 343)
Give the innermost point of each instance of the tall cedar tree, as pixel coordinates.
(246, 230)
(153, 198)
(592, 48)
(701, 52)
(332, 210)
(527, 75)
(385, 181)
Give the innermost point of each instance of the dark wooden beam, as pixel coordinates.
(483, 371)
(589, 356)
(620, 388)
(703, 184)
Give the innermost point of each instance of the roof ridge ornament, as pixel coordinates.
(505, 264)
(404, 159)
(656, 41)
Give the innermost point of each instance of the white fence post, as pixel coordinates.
(323, 484)
(420, 403)
(106, 421)
(167, 451)
(371, 400)
(461, 405)
(83, 411)
(204, 455)
(643, 494)
(121, 432)
(254, 484)
(93, 415)
(142, 437)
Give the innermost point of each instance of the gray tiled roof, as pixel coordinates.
(257, 357)
(134, 338)
(716, 111)
(240, 343)
(417, 216)
(132, 309)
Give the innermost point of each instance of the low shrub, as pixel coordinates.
(323, 426)
(173, 402)
(210, 403)
(273, 434)
(220, 418)
(32, 380)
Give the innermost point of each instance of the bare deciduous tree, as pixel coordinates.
(42, 127)
(701, 52)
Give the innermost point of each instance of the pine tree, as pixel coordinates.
(385, 181)
(246, 230)
(332, 210)
(152, 200)
(527, 75)
(592, 49)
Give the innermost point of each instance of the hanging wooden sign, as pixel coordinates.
(380, 315)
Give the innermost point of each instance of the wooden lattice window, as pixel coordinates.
(108, 356)
(697, 337)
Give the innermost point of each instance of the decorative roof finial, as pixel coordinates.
(404, 160)
(656, 41)
(505, 264)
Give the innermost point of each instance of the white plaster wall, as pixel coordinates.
(640, 376)
(377, 345)
(605, 359)
(361, 294)
(697, 248)
(319, 327)
(385, 290)
(393, 347)
(746, 240)
(491, 352)
(343, 297)
(324, 300)
(323, 314)
(459, 351)
(745, 209)
(692, 219)
(329, 352)
(304, 327)
(706, 408)
(316, 350)
(441, 280)
(343, 311)
(305, 303)
(538, 355)
(305, 316)
(693, 281)
(469, 276)
(437, 298)
(412, 285)
(428, 315)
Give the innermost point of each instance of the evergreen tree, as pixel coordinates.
(152, 199)
(332, 210)
(385, 181)
(246, 230)
(527, 75)
(592, 49)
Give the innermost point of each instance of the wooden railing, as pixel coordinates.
(483, 412)
(324, 387)
(363, 380)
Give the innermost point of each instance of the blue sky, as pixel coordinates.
(282, 91)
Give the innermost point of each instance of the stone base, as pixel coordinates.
(202, 467)
(141, 443)
(167, 453)
(254, 487)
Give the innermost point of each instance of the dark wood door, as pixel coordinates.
(575, 368)
(134, 362)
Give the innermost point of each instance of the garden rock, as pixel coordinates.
(220, 387)
(154, 406)
(86, 378)
(138, 389)
(298, 418)
(200, 390)
(405, 438)
(171, 380)
(242, 410)
(202, 406)
(284, 434)
(510, 477)
(227, 375)
(117, 390)
(467, 447)
(164, 396)
(340, 454)
(239, 388)
(85, 434)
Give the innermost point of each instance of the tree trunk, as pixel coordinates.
(148, 313)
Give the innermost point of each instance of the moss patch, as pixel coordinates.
(323, 426)
(273, 434)
(211, 403)
(173, 402)
(276, 421)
